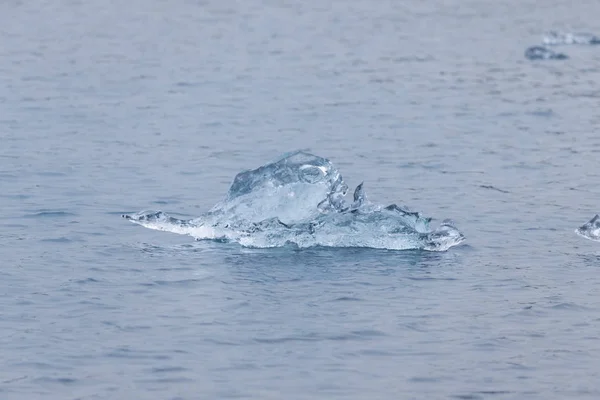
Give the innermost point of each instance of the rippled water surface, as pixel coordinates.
(110, 107)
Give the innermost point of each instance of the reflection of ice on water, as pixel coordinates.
(300, 200)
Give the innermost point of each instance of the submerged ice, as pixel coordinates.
(301, 200)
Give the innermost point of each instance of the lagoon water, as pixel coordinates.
(111, 107)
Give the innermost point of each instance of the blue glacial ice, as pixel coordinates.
(300, 200)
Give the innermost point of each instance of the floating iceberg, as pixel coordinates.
(300, 200)
(591, 229)
(554, 38)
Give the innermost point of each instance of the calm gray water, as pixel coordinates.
(109, 107)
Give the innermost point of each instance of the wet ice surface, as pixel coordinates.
(300, 200)
(591, 229)
(109, 109)
(543, 53)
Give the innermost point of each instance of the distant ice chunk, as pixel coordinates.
(299, 200)
(543, 53)
(554, 38)
(591, 229)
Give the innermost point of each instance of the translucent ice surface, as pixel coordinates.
(591, 229)
(300, 200)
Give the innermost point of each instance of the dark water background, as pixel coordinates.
(109, 107)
